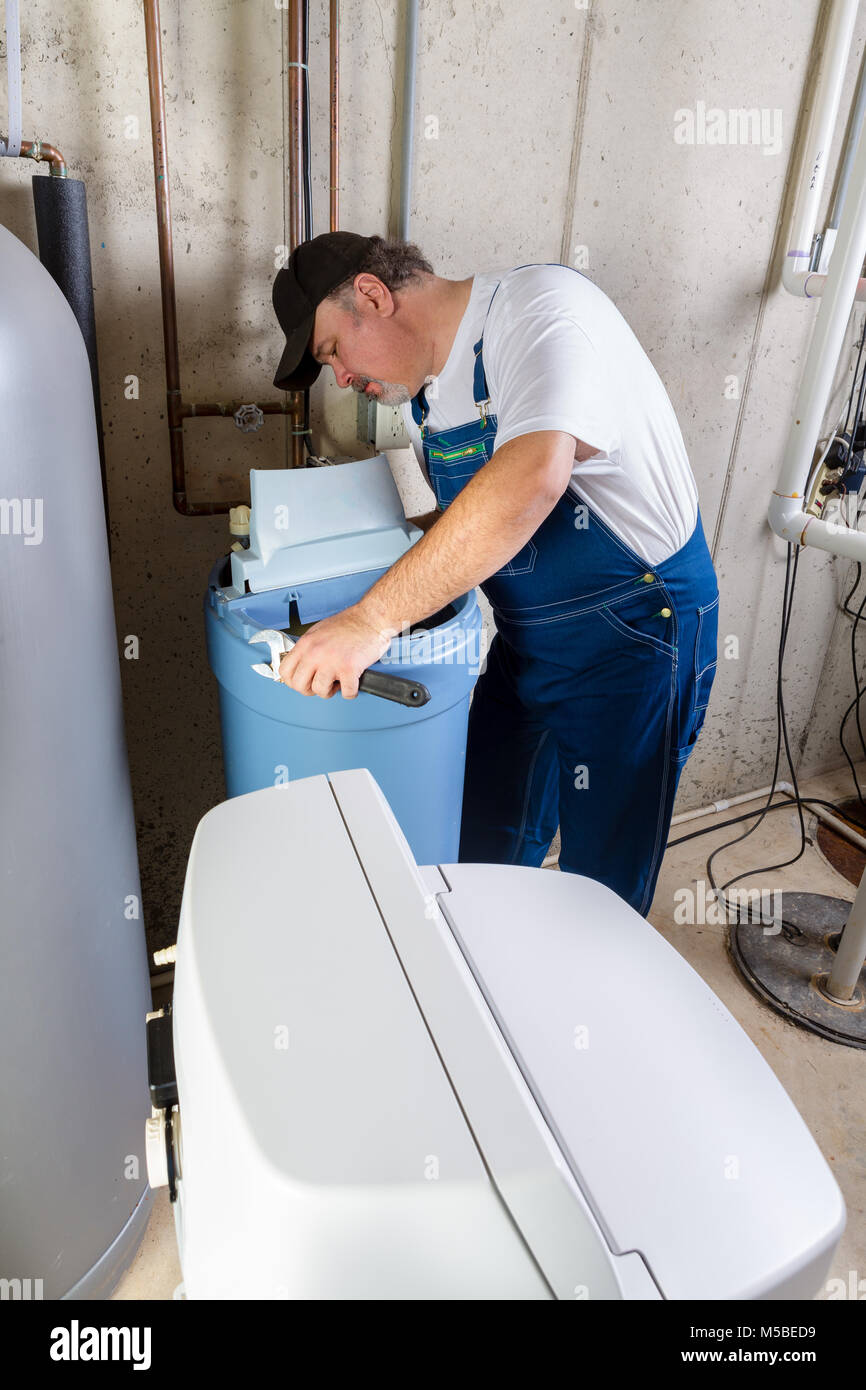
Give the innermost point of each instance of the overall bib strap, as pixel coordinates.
(480, 393)
(420, 410)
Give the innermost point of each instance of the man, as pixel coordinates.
(563, 489)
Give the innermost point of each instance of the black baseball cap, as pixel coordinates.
(315, 268)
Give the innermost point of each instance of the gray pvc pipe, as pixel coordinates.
(857, 117)
(851, 949)
(12, 145)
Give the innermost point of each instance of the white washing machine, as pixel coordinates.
(462, 1081)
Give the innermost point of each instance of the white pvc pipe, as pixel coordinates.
(784, 788)
(856, 119)
(814, 286)
(839, 826)
(816, 152)
(717, 806)
(707, 810)
(785, 513)
(851, 951)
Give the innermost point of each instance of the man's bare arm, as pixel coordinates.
(488, 522)
(490, 519)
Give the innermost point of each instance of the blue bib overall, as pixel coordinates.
(595, 687)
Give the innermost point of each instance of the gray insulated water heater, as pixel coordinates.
(74, 985)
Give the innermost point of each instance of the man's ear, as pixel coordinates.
(371, 288)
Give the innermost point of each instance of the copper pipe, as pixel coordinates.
(193, 410)
(335, 115)
(177, 409)
(166, 249)
(47, 154)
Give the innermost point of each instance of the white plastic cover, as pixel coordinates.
(685, 1143)
(471, 1081)
(309, 524)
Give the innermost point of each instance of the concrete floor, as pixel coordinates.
(827, 1082)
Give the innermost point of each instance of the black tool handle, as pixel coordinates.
(397, 688)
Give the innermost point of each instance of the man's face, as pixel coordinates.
(367, 349)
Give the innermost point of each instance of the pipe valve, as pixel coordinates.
(249, 418)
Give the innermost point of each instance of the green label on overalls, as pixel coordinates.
(456, 453)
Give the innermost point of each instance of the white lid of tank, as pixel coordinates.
(309, 524)
(686, 1144)
(664, 1143)
(303, 908)
(282, 932)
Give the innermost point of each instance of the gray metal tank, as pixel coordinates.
(74, 985)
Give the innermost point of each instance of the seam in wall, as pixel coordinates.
(566, 252)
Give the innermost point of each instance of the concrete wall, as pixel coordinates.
(551, 138)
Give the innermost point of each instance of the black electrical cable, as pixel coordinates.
(836, 432)
(858, 695)
(781, 733)
(859, 411)
(798, 800)
(848, 597)
(858, 689)
(764, 810)
(781, 720)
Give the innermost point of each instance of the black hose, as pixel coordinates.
(62, 233)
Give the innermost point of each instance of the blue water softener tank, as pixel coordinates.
(319, 538)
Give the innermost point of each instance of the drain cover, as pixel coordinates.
(787, 960)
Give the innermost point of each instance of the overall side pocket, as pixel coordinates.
(706, 653)
(702, 675)
(640, 616)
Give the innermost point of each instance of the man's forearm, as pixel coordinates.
(490, 519)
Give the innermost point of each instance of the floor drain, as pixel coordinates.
(785, 963)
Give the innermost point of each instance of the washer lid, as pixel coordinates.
(521, 1153)
(685, 1144)
(293, 992)
(310, 524)
(320, 989)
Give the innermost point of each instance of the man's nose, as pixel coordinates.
(343, 377)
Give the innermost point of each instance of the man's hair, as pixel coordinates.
(396, 263)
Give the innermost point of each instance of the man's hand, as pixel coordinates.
(333, 654)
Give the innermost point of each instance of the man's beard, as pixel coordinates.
(389, 392)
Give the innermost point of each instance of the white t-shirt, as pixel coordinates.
(558, 355)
